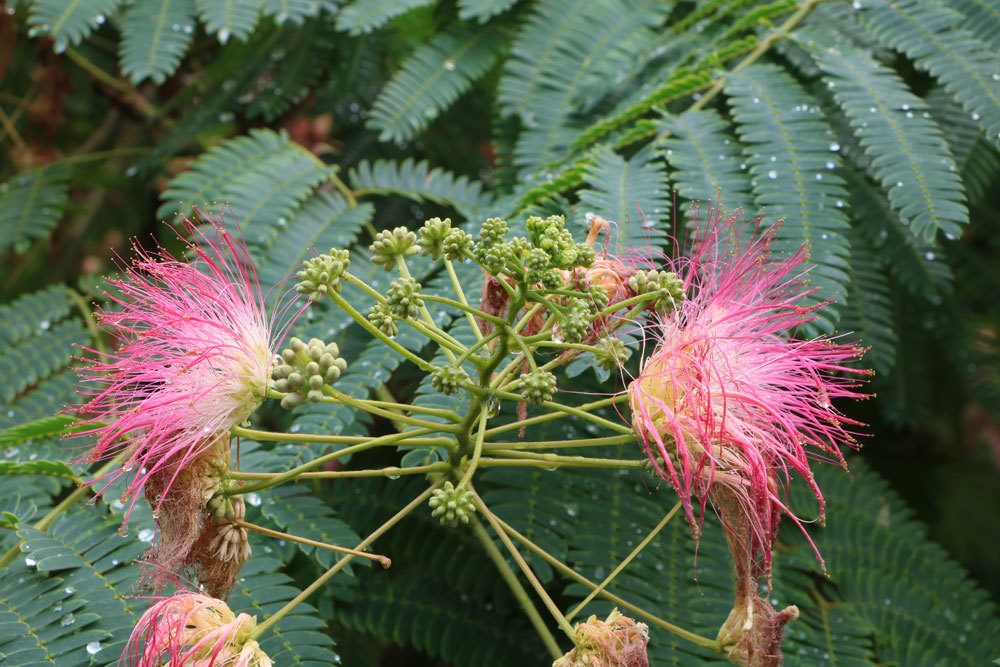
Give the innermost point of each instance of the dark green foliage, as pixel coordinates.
(321, 123)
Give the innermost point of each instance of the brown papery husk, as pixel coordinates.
(617, 641)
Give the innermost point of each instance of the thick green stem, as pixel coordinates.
(560, 444)
(477, 451)
(381, 412)
(339, 565)
(269, 436)
(621, 602)
(373, 330)
(555, 415)
(561, 620)
(390, 471)
(516, 588)
(460, 293)
(382, 560)
(281, 478)
(628, 559)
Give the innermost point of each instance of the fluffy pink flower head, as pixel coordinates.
(193, 630)
(730, 397)
(193, 360)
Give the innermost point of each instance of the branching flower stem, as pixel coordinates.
(477, 451)
(531, 421)
(267, 623)
(367, 406)
(373, 330)
(628, 559)
(404, 271)
(460, 293)
(561, 620)
(621, 602)
(560, 444)
(561, 462)
(381, 560)
(270, 436)
(389, 471)
(281, 478)
(552, 406)
(516, 588)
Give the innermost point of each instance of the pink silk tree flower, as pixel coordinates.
(193, 630)
(730, 398)
(194, 355)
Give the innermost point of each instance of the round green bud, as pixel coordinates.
(537, 266)
(493, 231)
(307, 368)
(495, 257)
(537, 386)
(383, 320)
(403, 299)
(669, 289)
(321, 275)
(433, 235)
(611, 353)
(451, 505)
(585, 255)
(392, 246)
(457, 244)
(574, 327)
(448, 379)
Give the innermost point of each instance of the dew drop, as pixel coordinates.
(756, 100)
(929, 256)
(835, 147)
(975, 116)
(449, 65)
(146, 535)
(772, 174)
(830, 165)
(93, 648)
(253, 499)
(839, 203)
(44, 325)
(69, 590)
(30, 562)
(67, 619)
(223, 35)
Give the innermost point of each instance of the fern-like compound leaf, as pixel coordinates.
(483, 10)
(432, 79)
(155, 37)
(632, 192)
(229, 18)
(907, 152)
(31, 204)
(788, 150)
(365, 16)
(68, 22)
(419, 181)
(707, 161)
(929, 34)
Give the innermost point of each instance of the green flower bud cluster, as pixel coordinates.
(433, 235)
(448, 379)
(304, 369)
(597, 298)
(537, 386)
(550, 234)
(611, 353)
(457, 244)
(574, 327)
(537, 266)
(321, 275)
(452, 506)
(493, 251)
(669, 289)
(383, 320)
(221, 508)
(392, 246)
(403, 299)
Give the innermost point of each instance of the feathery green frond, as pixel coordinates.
(46, 427)
(33, 313)
(978, 161)
(63, 600)
(155, 37)
(706, 160)
(788, 148)
(432, 79)
(68, 22)
(34, 360)
(906, 150)
(417, 180)
(263, 176)
(31, 204)
(868, 314)
(295, 11)
(229, 18)
(929, 35)
(632, 192)
(916, 265)
(44, 468)
(982, 18)
(364, 16)
(483, 10)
